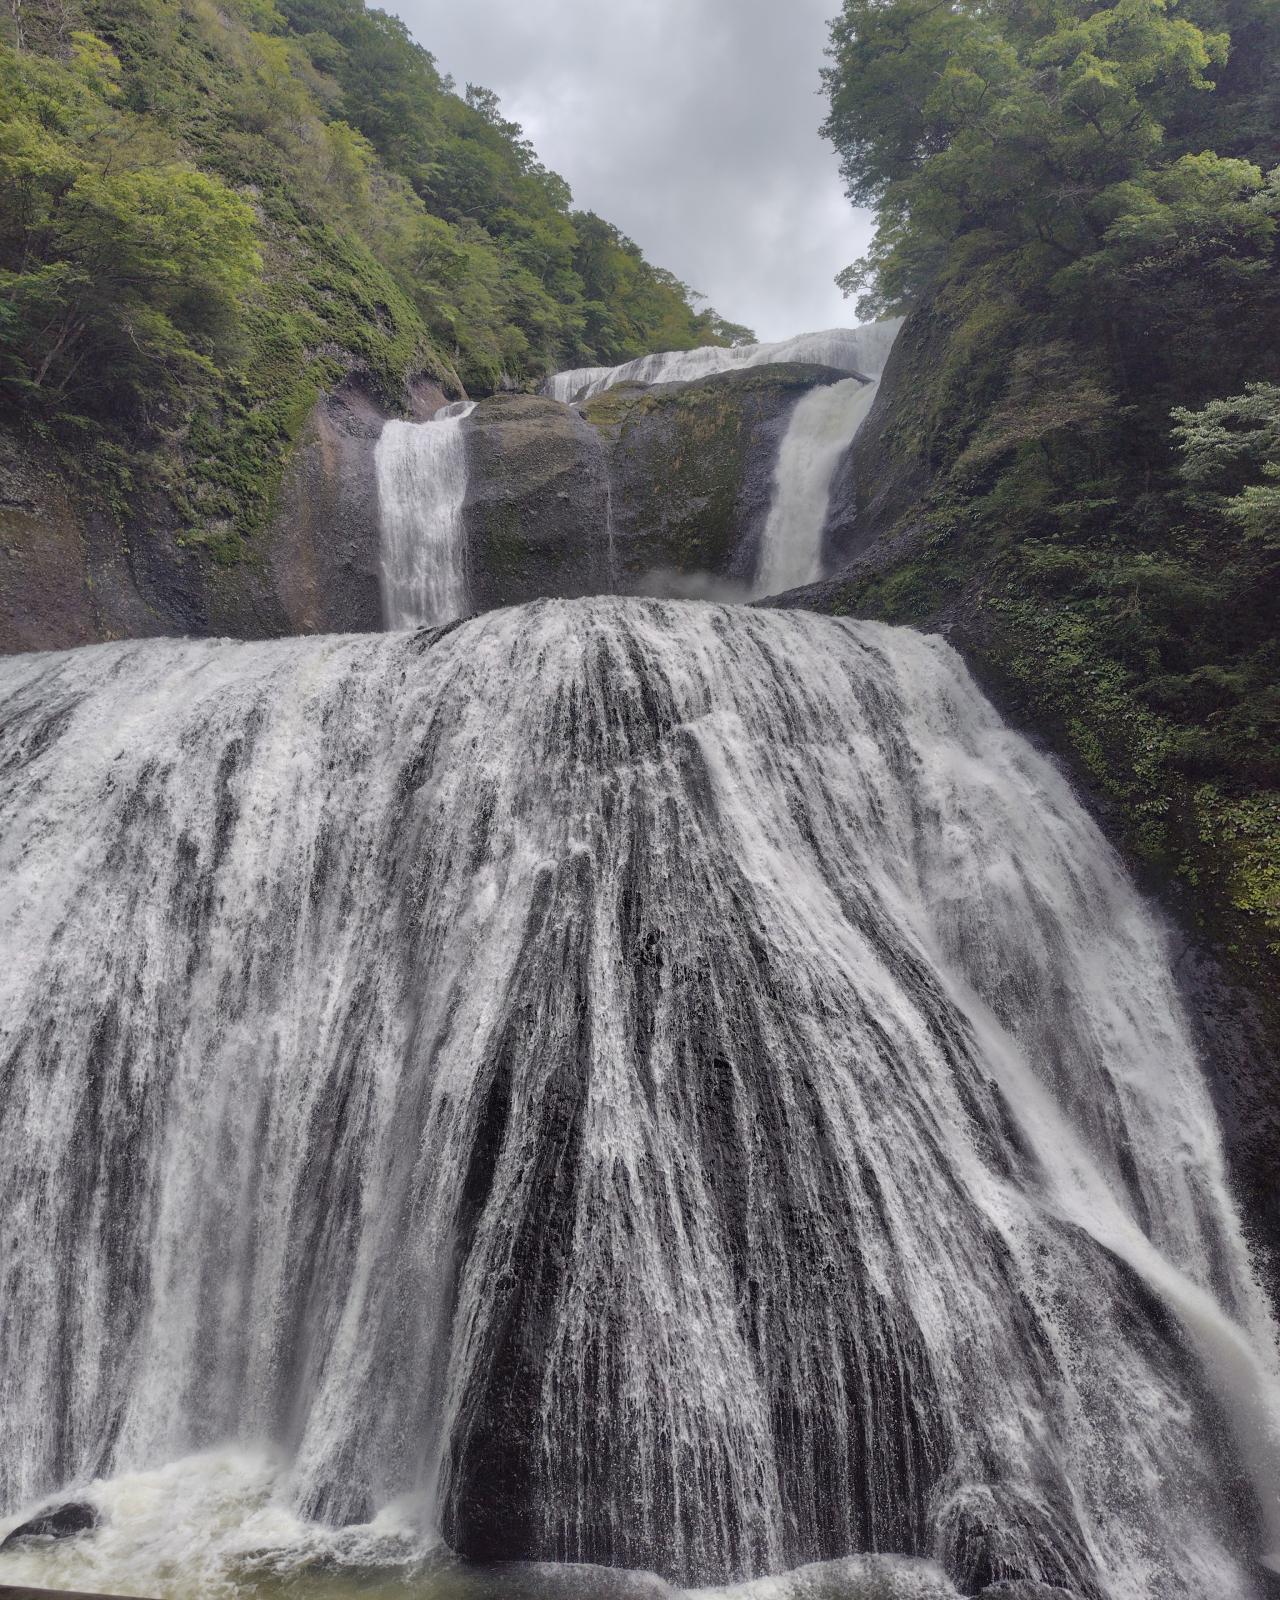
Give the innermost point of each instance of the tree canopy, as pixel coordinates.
(1080, 202)
(154, 154)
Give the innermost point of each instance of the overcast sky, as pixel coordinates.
(690, 124)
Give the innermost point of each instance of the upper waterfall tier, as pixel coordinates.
(422, 483)
(861, 350)
(664, 1084)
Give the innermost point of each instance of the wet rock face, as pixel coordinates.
(891, 461)
(662, 490)
(324, 563)
(691, 467)
(536, 514)
(64, 572)
(71, 574)
(57, 1522)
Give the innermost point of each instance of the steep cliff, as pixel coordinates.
(953, 512)
(643, 490)
(536, 517)
(691, 466)
(77, 567)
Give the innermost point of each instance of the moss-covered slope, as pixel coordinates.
(212, 216)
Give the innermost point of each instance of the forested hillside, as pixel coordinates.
(1076, 461)
(209, 213)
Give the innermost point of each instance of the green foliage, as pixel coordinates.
(212, 210)
(511, 282)
(1231, 449)
(1020, 129)
(121, 281)
(1076, 196)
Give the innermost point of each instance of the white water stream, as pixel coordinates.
(663, 1084)
(820, 429)
(863, 350)
(422, 484)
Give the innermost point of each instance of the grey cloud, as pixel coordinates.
(691, 124)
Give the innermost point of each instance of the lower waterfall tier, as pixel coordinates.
(664, 1085)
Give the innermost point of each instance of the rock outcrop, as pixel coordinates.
(74, 571)
(55, 1522)
(691, 467)
(537, 508)
(323, 562)
(644, 490)
(65, 569)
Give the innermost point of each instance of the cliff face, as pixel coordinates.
(537, 509)
(46, 598)
(691, 467)
(643, 490)
(73, 570)
(322, 565)
(928, 528)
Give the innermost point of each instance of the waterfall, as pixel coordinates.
(422, 484)
(652, 1083)
(862, 350)
(820, 429)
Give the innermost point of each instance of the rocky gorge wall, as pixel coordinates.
(912, 538)
(77, 570)
(642, 490)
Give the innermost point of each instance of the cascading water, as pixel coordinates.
(651, 1083)
(821, 428)
(863, 350)
(422, 483)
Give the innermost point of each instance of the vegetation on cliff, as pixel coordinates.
(209, 212)
(1081, 203)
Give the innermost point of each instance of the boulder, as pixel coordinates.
(691, 469)
(56, 1522)
(536, 516)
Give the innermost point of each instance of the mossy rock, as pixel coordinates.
(691, 468)
(661, 489)
(537, 510)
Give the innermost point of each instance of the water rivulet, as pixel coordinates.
(649, 1083)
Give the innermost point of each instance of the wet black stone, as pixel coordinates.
(58, 1522)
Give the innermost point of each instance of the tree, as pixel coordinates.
(119, 282)
(1230, 453)
(1009, 131)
